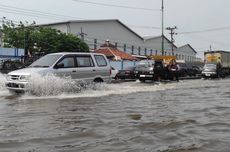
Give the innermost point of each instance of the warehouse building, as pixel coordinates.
(96, 32)
(186, 52)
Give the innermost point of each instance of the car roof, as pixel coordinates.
(75, 53)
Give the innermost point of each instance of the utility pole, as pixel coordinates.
(162, 27)
(210, 48)
(172, 33)
(82, 34)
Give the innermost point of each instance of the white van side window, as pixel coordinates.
(67, 62)
(100, 60)
(84, 61)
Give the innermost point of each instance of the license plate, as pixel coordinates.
(143, 76)
(207, 75)
(13, 85)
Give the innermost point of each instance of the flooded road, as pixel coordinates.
(189, 116)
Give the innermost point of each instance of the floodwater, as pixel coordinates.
(189, 116)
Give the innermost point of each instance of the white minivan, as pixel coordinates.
(91, 67)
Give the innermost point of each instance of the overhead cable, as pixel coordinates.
(207, 30)
(119, 6)
(34, 13)
(144, 27)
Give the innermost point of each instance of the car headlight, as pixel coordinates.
(24, 77)
(8, 77)
(151, 72)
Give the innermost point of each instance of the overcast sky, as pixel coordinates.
(201, 23)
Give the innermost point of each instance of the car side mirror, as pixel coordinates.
(59, 65)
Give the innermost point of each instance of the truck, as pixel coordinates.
(217, 64)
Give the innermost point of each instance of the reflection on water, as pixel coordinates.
(190, 116)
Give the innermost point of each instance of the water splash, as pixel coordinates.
(2, 81)
(3, 91)
(55, 87)
(50, 85)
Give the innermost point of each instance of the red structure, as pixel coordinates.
(112, 53)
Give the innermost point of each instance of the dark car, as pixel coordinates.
(197, 70)
(183, 70)
(188, 70)
(10, 65)
(127, 73)
(145, 70)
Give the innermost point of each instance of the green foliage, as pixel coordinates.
(41, 39)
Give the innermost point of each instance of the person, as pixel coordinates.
(174, 70)
(219, 69)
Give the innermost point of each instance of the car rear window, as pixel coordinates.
(100, 60)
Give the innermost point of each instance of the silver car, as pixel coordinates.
(79, 66)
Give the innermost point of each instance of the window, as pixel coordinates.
(100, 60)
(46, 61)
(84, 61)
(67, 62)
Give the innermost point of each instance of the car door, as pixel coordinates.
(103, 68)
(85, 67)
(66, 67)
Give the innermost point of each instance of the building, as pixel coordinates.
(156, 42)
(95, 32)
(186, 52)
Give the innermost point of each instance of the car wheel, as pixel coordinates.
(98, 80)
(142, 80)
(116, 77)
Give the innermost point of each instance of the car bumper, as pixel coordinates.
(208, 74)
(125, 76)
(16, 86)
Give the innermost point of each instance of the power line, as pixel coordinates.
(3, 19)
(144, 27)
(119, 6)
(208, 40)
(207, 30)
(40, 14)
(33, 13)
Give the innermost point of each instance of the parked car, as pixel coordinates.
(197, 70)
(79, 66)
(213, 70)
(10, 65)
(127, 73)
(145, 70)
(188, 70)
(114, 73)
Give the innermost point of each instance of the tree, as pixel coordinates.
(40, 39)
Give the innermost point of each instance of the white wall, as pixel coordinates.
(156, 43)
(113, 30)
(186, 53)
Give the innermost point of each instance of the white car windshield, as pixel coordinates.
(209, 66)
(145, 63)
(46, 61)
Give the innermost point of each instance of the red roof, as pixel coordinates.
(114, 52)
